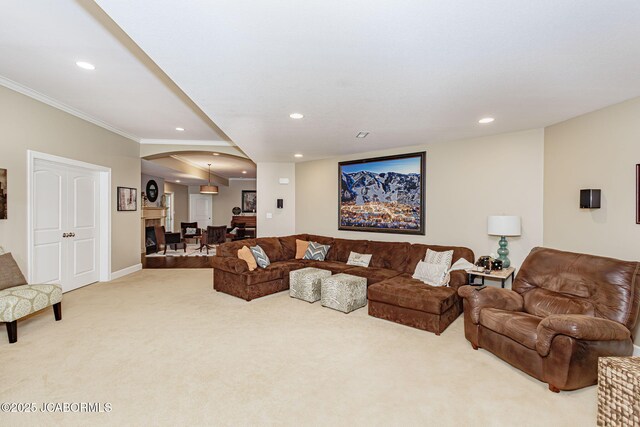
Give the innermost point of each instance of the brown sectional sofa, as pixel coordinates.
(393, 294)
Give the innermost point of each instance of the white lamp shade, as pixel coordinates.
(503, 225)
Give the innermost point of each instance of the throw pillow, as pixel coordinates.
(316, 251)
(301, 248)
(444, 258)
(462, 264)
(190, 230)
(360, 260)
(246, 255)
(261, 256)
(432, 274)
(10, 274)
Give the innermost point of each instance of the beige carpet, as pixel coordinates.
(165, 349)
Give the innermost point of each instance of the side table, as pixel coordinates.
(501, 275)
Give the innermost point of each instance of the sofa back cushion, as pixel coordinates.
(389, 255)
(231, 248)
(344, 247)
(558, 282)
(417, 252)
(272, 247)
(288, 244)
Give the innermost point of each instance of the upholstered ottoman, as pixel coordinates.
(304, 283)
(19, 301)
(619, 391)
(344, 292)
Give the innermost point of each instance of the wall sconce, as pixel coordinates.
(280, 203)
(590, 199)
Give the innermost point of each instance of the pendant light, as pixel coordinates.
(209, 189)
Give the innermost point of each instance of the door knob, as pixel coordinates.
(65, 235)
(72, 234)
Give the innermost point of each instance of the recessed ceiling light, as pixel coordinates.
(244, 171)
(297, 155)
(85, 65)
(296, 115)
(362, 134)
(216, 154)
(486, 120)
(180, 129)
(177, 180)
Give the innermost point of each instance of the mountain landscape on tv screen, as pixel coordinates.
(380, 200)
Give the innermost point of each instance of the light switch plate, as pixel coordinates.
(284, 181)
(269, 215)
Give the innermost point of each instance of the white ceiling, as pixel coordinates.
(40, 42)
(222, 165)
(409, 72)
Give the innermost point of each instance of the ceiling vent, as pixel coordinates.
(362, 134)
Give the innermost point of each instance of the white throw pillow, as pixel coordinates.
(432, 274)
(360, 260)
(445, 258)
(190, 230)
(461, 264)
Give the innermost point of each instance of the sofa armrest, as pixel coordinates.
(230, 264)
(458, 278)
(578, 326)
(489, 297)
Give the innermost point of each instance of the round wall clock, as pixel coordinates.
(152, 190)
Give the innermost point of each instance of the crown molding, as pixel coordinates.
(211, 143)
(63, 107)
(242, 179)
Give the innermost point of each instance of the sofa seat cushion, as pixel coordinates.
(372, 274)
(260, 275)
(404, 291)
(333, 266)
(520, 327)
(288, 266)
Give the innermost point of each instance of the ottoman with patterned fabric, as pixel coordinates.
(304, 283)
(344, 292)
(19, 301)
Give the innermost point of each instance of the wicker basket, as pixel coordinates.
(619, 391)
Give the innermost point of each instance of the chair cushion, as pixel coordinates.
(372, 274)
(519, 326)
(10, 274)
(21, 301)
(404, 291)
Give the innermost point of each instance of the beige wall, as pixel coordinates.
(228, 198)
(466, 182)
(282, 221)
(596, 150)
(27, 124)
(180, 203)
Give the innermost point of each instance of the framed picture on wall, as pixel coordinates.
(638, 194)
(383, 194)
(127, 199)
(249, 201)
(3, 194)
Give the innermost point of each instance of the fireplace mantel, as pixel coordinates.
(151, 215)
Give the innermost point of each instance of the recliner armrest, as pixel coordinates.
(489, 297)
(230, 264)
(578, 326)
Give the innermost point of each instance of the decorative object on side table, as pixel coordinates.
(127, 199)
(305, 283)
(503, 226)
(3, 194)
(383, 194)
(503, 275)
(619, 391)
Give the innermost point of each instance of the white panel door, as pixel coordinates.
(65, 225)
(49, 209)
(83, 245)
(200, 209)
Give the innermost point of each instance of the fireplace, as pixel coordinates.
(151, 241)
(151, 216)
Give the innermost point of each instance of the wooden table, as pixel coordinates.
(501, 275)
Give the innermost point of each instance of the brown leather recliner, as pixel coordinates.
(565, 311)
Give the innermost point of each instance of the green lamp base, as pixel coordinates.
(503, 252)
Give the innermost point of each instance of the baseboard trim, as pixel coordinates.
(125, 271)
(636, 350)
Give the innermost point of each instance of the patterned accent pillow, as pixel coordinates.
(261, 257)
(316, 251)
(432, 274)
(444, 258)
(359, 260)
(190, 230)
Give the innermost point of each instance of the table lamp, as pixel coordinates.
(503, 226)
